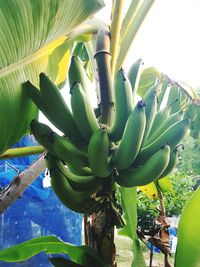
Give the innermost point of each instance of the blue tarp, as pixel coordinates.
(37, 213)
(7, 172)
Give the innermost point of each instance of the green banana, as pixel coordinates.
(77, 74)
(174, 95)
(59, 146)
(88, 184)
(164, 184)
(68, 152)
(43, 134)
(195, 134)
(195, 125)
(98, 153)
(150, 112)
(160, 117)
(155, 88)
(50, 101)
(83, 112)
(149, 172)
(163, 91)
(192, 110)
(57, 107)
(79, 170)
(173, 118)
(70, 198)
(131, 139)
(134, 74)
(172, 136)
(77, 201)
(123, 105)
(36, 97)
(172, 161)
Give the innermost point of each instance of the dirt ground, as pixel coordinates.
(124, 254)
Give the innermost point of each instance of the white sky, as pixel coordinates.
(169, 39)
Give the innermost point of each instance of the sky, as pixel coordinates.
(168, 39)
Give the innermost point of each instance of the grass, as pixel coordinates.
(124, 253)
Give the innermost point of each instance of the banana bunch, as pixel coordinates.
(138, 146)
(73, 190)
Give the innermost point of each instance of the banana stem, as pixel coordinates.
(103, 57)
(99, 228)
(162, 206)
(165, 224)
(22, 151)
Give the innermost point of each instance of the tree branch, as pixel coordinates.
(20, 182)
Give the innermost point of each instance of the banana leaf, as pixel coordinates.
(81, 255)
(129, 203)
(34, 39)
(188, 247)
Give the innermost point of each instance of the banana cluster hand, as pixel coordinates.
(139, 146)
(50, 101)
(73, 190)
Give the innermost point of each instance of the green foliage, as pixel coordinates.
(174, 201)
(182, 191)
(189, 163)
(146, 211)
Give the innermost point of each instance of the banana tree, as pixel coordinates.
(126, 140)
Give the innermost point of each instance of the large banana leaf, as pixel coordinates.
(52, 245)
(33, 40)
(188, 248)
